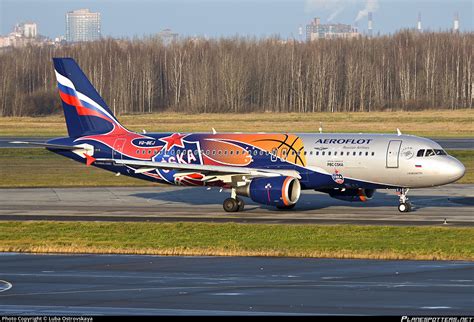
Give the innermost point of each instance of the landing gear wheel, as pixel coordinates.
(231, 205)
(286, 207)
(405, 205)
(241, 204)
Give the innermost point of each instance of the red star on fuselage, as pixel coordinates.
(172, 140)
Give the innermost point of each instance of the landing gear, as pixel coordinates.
(405, 204)
(234, 203)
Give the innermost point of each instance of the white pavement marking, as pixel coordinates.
(5, 286)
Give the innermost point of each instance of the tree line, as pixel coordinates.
(404, 71)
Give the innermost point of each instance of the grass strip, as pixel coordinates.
(429, 123)
(233, 239)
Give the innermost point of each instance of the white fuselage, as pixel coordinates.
(382, 158)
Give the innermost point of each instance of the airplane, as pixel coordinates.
(269, 168)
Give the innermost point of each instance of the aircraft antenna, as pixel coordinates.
(320, 127)
(399, 132)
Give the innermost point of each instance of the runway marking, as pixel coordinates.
(6, 286)
(436, 307)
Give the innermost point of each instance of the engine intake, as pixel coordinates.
(274, 191)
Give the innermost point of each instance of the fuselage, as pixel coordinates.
(323, 161)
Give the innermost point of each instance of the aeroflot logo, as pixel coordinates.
(343, 141)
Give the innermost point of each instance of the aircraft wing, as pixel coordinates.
(209, 170)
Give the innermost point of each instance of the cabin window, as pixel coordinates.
(213, 152)
(149, 151)
(329, 153)
(373, 153)
(366, 153)
(219, 152)
(143, 151)
(354, 153)
(237, 152)
(261, 152)
(225, 152)
(310, 152)
(323, 153)
(348, 153)
(231, 152)
(317, 152)
(138, 151)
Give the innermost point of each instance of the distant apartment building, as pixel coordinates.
(167, 36)
(315, 30)
(23, 34)
(27, 29)
(82, 25)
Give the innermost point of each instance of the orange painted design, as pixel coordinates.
(283, 195)
(362, 197)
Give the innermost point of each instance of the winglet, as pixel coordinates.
(399, 132)
(89, 159)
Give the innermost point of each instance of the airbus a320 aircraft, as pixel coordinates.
(271, 169)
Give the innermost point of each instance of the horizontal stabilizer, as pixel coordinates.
(48, 145)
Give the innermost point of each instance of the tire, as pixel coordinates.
(230, 205)
(404, 207)
(241, 204)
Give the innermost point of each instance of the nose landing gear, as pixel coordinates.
(405, 204)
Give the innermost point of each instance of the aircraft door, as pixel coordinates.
(118, 149)
(393, 153)
(274, 155)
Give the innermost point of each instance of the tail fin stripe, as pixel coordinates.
(74, 98)
(64, 80)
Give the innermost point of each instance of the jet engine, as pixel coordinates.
(282, 192)
(352, 195)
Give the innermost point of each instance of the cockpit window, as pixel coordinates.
(429, 153)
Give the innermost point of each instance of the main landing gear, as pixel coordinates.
(234, 203)
(405, 204)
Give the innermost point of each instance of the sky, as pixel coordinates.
(226, 18)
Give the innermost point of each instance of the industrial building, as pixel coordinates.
(315, 30)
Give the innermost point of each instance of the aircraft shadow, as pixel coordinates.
(307, 202)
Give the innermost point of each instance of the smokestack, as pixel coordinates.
(456, 22)
(369, 26)
(418, 25)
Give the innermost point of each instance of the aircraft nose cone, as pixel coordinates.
(454, 170)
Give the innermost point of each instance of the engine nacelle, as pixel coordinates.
(274, 191)
(352, 195)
